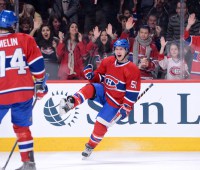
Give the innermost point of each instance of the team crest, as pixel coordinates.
(175, 71)
(111, 82)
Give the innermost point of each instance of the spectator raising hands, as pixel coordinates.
(177, 69)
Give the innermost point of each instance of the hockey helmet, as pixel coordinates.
(122, 43)
(7, 19)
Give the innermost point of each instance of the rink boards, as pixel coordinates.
(166, 118)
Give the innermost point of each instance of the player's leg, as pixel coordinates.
(95, 138)
(86, 92)
(104, 119)
(22, 119)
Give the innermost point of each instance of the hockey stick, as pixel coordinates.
(119, 116)
(13, 148)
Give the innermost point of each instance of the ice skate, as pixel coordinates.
(66, 104)
(87, 152)
(27, 166)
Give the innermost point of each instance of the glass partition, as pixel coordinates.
(163, 35)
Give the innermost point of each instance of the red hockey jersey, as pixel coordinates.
(194, 42)
(121, 81)
(20, 59)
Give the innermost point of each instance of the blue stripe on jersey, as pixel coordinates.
(26, 146)
(37, 66)
(131, 95)
(9, 59)
(121, 86)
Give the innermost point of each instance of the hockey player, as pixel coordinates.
(115, 84)
(20, 59)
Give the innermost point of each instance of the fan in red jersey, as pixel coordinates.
(194, 42)
(115, 84)
(21, 60)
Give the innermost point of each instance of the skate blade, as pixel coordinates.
(85, 158)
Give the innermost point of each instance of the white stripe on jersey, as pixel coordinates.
(112, 99)
(31, 62)
(131, 101)
(117, 90)
(133, 91)
(15, 89)
(15, 68)
(37, 73)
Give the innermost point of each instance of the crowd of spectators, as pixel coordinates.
(74, 33)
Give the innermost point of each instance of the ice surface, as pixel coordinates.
(109, 160)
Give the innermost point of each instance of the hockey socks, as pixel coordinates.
(25, 143)
(97, 134)
(86, 92)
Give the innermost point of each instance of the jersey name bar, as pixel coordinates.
(8, 42)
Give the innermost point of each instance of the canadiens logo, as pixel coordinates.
(111, 82)
(175, 71)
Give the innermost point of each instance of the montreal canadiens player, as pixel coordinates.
(20, 61)
(115, 84)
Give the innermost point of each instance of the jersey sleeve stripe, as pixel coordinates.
(38, 73)
(132, 91)
(129, 102)
(131, 96)
(37, 66)
(35, 60)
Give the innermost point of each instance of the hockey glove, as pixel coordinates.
(124, 111)
(88, 72)
(41, 88)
